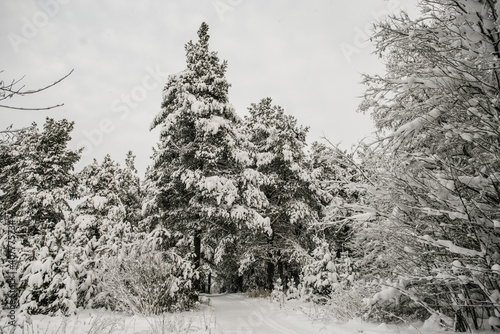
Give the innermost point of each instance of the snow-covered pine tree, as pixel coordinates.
(437, 165)
(117, 261)
(103, 224)
(36, 179)
(111, 195)
(36, 183)
(293, 195)
(49, 275)
(202, 190)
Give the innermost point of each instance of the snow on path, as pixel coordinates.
(235, 313)
(238, 314)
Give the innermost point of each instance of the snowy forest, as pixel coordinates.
(404, 227)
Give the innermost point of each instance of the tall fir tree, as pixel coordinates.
(36, 184)
(203, 192)
(295, 200)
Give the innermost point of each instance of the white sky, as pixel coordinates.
(306, 55)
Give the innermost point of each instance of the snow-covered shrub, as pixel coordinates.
(332, 283)
(148, 283)
(345, 304)
(258, 293)
(326, 274)
(391, 301)
(360, 286)
(278, 294)
(8, 256)
(48, 277)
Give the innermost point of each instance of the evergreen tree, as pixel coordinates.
(49, 275)
(36, 183)
(112, 196)
(36, 178)
(201, 191)
(103, 224)
(290, 188)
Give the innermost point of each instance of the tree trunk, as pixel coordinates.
(197, 258)
(209, 282)
(270, 264)
(280, 271)
(270, 275)
(240, 283)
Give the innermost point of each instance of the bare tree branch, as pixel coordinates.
(9, 90)
(30, 109)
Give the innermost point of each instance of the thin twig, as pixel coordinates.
(31, 109)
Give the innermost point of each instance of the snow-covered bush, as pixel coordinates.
(332, 283)
(345, 304)
(148, 283)
(48, 276)
(326, 274)
(391, 301)
(278, 294)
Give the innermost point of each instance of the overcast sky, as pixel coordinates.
(307, 56)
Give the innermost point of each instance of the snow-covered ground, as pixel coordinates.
(224, 314)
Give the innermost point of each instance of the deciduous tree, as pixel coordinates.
(437, 162)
